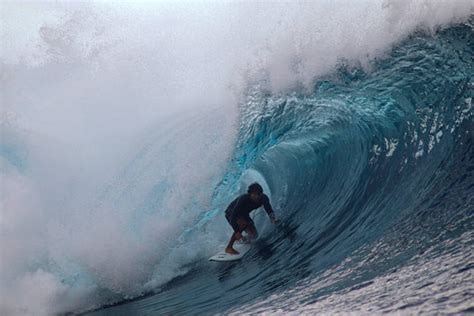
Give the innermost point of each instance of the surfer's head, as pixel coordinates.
(255, 191)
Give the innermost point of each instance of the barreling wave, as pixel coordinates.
(126, 129)
(372, 176)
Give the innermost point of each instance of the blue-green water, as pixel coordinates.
(372, 174)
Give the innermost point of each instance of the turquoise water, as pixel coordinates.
(372, 174)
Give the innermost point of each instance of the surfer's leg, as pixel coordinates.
(230, 246)
(251, 230)
(235, 236)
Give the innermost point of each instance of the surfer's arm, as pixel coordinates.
(268, 208)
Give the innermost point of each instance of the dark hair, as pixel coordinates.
(255, 188)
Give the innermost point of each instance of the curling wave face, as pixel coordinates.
(372, 174)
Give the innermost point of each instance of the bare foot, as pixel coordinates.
(231, 251)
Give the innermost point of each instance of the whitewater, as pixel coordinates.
(127, 129)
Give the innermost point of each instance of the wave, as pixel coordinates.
(372, 177)
(114, 186)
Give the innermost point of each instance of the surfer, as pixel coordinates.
(237, 214)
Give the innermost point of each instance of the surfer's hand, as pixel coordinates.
(275, 221)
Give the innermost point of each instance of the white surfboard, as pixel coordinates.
(224, 256)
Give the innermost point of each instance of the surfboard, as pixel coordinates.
(224, 256)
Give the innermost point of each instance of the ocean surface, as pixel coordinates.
(369, 165)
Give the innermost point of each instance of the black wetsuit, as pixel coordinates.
(241, 208)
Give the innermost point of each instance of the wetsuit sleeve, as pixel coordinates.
(268, 207)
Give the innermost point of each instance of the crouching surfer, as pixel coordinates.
(238, 211)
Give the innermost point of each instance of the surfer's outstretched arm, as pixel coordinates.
(268, 208)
